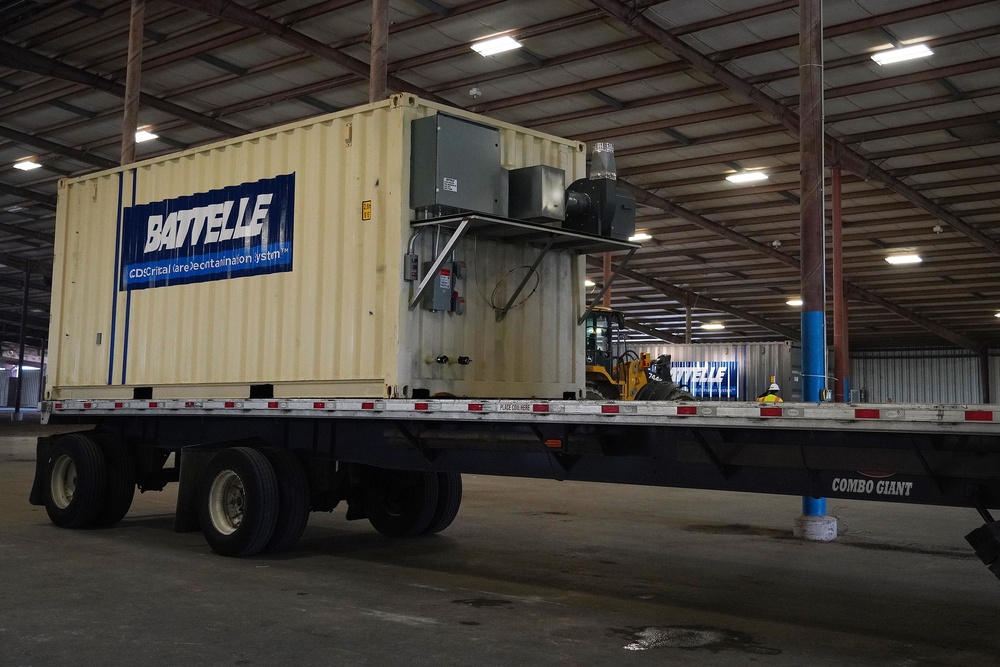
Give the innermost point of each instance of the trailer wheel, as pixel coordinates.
(401, 503)
(449, 500)
(238, 506)
(293, 500)
(75, 481)
(120, 487)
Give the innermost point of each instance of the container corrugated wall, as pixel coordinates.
(950, 376)
(338, 323)
(755, 363)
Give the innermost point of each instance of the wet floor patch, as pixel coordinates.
(690, 638)
(738, 529)
(484, 603)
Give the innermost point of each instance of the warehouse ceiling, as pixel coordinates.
(690, 91)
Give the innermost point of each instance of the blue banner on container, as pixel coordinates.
(707, 379)
(241, 230)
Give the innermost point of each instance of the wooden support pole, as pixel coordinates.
(377, 79)
(133, 76)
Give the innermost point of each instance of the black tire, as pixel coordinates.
(75, 481)
(120, 487)
(449, 500)
(401, 503)
(293, 500)
(238, 502)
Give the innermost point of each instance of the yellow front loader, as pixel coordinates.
(616, 373)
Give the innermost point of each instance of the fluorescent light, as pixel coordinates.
(747, 177)
(902, 53)
(491, 47)
(713, 326)
(144, 135)
(641, 236)
(997, 315)
(907, 258)
(26, 165)
(589, 283)
(794, 302)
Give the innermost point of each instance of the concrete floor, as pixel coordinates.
(531, 573)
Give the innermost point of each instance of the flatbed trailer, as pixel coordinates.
(398, 462)
(271, 321)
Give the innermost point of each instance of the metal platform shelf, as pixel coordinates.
(546, 237)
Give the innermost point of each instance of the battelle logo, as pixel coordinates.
(241, 230)
(707, 379)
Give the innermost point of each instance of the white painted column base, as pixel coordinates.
(815, 528)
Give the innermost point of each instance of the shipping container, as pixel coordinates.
(733, 371)
(273, 265)
(933, 375)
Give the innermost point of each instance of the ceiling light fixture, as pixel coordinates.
(641, 236)
(796, 301)
(747, 177)
(906, 258)
(26, 165)
(495, 45)
(143, 134)
(996, 315)
(589, 283)
(713, 326)
(899, 54)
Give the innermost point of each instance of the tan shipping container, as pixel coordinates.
(335, 321)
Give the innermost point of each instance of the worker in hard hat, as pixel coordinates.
(772, 395)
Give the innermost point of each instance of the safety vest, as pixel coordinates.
(770, 398)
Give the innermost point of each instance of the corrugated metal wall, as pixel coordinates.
(940, 375)
(755, 364)
(920, 376)
(336, 325)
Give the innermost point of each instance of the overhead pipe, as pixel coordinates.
(133, 76)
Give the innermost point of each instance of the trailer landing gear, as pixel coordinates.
(986, 541)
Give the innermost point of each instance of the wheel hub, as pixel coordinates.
(63, 481)
(227, 502)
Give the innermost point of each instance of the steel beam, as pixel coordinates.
(651, 331)
(649, 199)
(24, 59)
(234, 13)
(21, 340)
(46, 201)
(683, 296)
(57, 148)
(841, 342)
(839, 154)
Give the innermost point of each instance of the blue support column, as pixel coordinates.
(813, 506)
(813, 524)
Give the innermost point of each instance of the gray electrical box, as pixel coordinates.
(455, 167)
(537, 194)
(439, 292)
